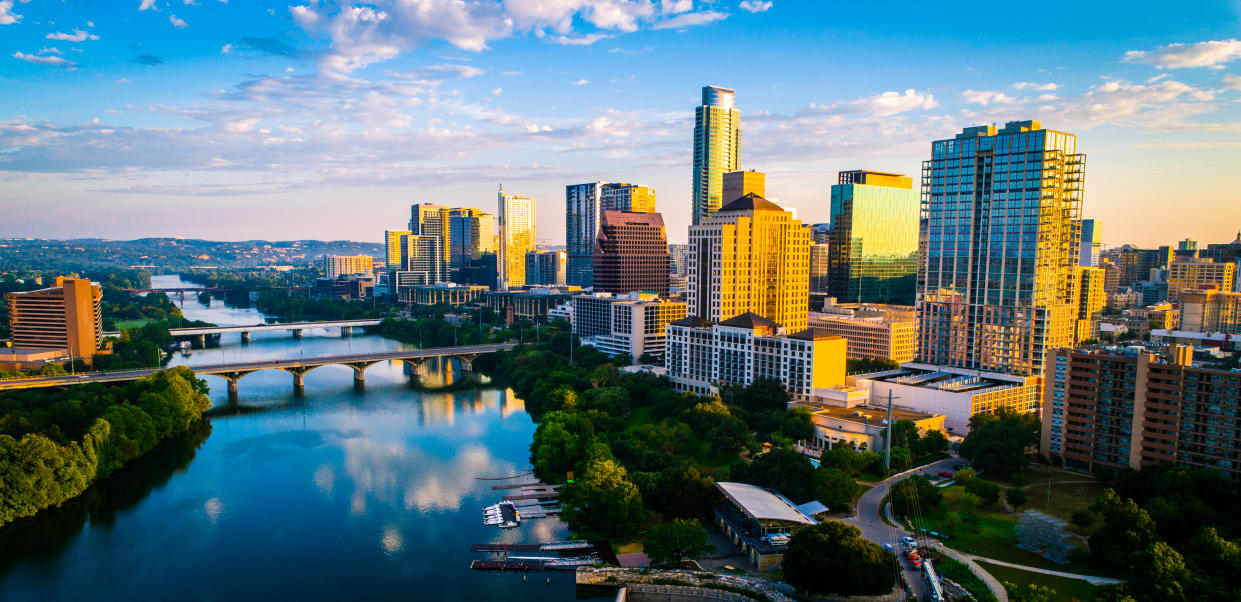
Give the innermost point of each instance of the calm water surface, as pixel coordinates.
(342, 493)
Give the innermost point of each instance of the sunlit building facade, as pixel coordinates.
(873, 241)
(717, 149)
(66, 316)
(737, 184)
(1092, 243)
(1191, 274)
(1000, 245)
(1211, 311)
(750, 256)
(1091, 301)
(516, 237)
(342, 265)
(632, 198)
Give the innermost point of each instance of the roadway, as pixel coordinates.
(254, 366)
(205, 330)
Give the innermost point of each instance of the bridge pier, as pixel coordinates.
(202, 341)
(232, 389)
(346, 332)
(245, 337)
(297, 333)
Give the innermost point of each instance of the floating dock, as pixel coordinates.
(507, 565)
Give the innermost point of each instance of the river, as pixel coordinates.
(342, 493)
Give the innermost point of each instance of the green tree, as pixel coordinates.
(915, 493)
(604, 502)
(834, 487)
(997, 443)
(833, 558)
(1126, 528)
(963, 475)
(1016, 497)
(671, 542)
(781, 469)
(1029, 593)
(1160, 574)
(987, 492)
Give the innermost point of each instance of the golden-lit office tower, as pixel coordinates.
(427, 219)
(65, 316)
(516, 237)
(873, 240)
(1092, 298)
(421, 261)
(750, 256)
(392, 248)
(999, 246)
(1191, 274)
(1211, 311)
(737, 184)
(471, 234)
(717, 149)
(630, 198)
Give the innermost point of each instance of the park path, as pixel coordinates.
(1091, 579)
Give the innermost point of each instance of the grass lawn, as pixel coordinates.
(988, 532)
(962, 576)
(1066, 589)
(1066, 498)
(131, 324)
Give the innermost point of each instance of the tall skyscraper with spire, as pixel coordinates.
(516, 237)
(999, 246)
(717, 149)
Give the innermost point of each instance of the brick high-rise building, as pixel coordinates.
(66, 316)
(631, 253)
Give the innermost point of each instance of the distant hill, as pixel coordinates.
(42, 254)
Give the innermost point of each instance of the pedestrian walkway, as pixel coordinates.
(1091, 579)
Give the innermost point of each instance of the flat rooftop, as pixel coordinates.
(876, 415)
(953, 380)
(762, 504)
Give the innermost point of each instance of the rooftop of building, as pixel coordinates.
(612, 217)
(692, 322)
(949, 379)
(763, 504)
(869, 414)
(749, 320)
(814, 334)
(750, 202)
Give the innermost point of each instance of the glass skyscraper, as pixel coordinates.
(515, 238)
(873, 241)
(717, 149)
(1000, 240)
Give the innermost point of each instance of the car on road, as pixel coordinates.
(945, 474)
(913, 557)
(888, 547)
(909, 541)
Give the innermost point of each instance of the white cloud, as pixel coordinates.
(1200, 54)
(1232, 81)
(7, 16)
(497, 91)
(585, 40)
(1048, 87)
(691, 19)
(512, 73)
(147, 5)
(225, 49)
(90, 23)
(755, 6)
(178, 23)
(891, 103)
(77, 36)
(123, 80)
(675, 7)
(580, 82)
(45, 60)
(50, 50)
(987, 97)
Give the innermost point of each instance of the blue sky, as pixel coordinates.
(326, 120)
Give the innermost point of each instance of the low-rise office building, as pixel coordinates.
(702, 355)
(530, 302)
(957, 394)
(443, 292)
(863, 427)
(631, 324)
(344, 287)
(1116, 408)
(873, 331)
(759, 521)
(1211, 311)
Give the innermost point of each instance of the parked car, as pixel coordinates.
(888, 547)
(909, 541)
(945, 474)
(913, 557)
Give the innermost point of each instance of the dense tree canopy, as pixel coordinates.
(914, 495)
(833, 558)
(997, 443)
(671, 542)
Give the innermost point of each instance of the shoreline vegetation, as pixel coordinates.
(55, 443)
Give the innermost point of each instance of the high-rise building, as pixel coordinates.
(750, 256)
(428, 219)
(1136, 264)
(343, 265)
(67, 316)
(545, 268)
(620, 196)
(1190, 274)
(421, 261)
(516, 237)
(1211, 311)
(392, 248)
(1092, 243)
(1129, 408)
(820, 257)
(582, 207)
(737, 184)
(631, 253)
(717, 149)
(873, 241)
(1092, 298)
(471, 234)
(1000, 244)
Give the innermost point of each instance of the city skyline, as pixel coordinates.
(299, 107)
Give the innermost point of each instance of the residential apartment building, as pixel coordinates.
(392, 248)
(344, 265)
(1000, 246)
(582, 207)
(631, 253)
(66, 316)
(1129, 408)
(516, 237)
(1092, 299)
(632, 324)
(545, 268)
(1136, 264)
(1194, 274)
(873, 332)
(427, 219)
(873, 241)
(1211, 311)
(702, 355)
(750, 256)
(717, 149)
(421, 259)
(471, 234)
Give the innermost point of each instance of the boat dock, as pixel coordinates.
(507, 565)
(561, 555)
(554, 546)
